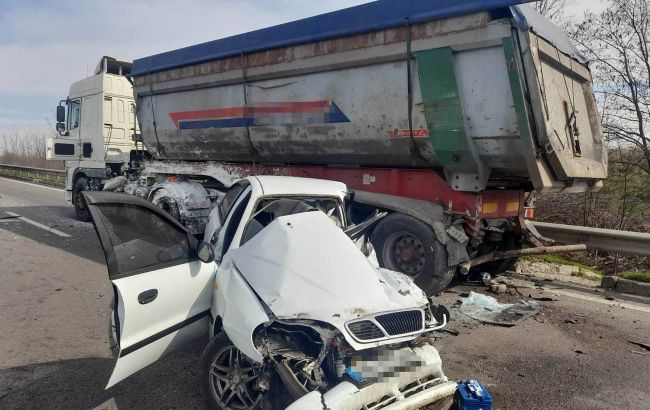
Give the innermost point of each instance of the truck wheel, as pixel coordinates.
(229, 379)
(164, 200)
(80, 207)
(405, 244)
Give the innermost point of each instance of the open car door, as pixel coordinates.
(163, 292)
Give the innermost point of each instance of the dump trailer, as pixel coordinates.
(446, 114)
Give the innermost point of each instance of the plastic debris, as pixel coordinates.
(487, 309)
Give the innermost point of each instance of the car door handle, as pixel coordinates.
(147, 296)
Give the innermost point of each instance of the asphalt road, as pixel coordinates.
(54, 313)
(46, 206)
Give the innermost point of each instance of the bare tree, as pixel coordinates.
(616, 41)
(26, 147)
(554, 10)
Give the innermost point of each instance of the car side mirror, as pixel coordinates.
(60, 115)
(60, 127)
(205, 252)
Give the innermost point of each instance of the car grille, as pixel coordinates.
(365, 330)
(398, 323)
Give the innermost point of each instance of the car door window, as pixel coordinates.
(142, 240)
(231, 197)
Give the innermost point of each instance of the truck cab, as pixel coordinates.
(96, 123)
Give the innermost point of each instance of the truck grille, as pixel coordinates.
(399, 323)
(365, 330)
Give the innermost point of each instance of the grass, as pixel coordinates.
(638, 276)
(590, 275)
(558, 260)
(586, 271)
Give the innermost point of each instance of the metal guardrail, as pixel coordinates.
(623, 242)
(40, 175)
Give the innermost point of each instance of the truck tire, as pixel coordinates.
(80, 207)
(405, 244)
(164, 200)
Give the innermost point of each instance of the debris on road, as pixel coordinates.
(544, 299)
(487, 309)
(645, 345)
(498, 288)
(449, 331)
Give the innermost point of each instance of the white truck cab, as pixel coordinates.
(96, 123)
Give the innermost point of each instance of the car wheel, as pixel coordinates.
(405, 244)
(229, 379)
(80, 207)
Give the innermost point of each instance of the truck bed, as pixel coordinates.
(469, 89)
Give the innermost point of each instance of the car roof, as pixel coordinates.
(279, 185)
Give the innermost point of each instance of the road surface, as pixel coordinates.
(54, 312)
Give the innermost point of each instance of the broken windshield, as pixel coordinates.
(270, 209)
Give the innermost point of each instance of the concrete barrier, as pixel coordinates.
(625, 286)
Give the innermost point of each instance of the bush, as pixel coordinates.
(623, 204)
(26, 148)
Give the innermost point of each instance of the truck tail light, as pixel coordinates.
(529, 213)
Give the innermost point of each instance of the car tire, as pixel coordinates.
(164, 200)
(79, 201)
(212, 382)
(408, 245)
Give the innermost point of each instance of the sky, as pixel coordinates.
(47, 45)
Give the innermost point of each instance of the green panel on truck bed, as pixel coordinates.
(517, 92)
(443, 110)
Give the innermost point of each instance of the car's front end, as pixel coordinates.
(336, 329)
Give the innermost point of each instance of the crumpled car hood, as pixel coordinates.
(304, 267)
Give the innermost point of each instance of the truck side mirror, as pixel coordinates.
(60, 116)
(60, 127)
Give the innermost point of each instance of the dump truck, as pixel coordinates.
(445, 114)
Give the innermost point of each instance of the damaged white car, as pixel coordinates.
(297, 311)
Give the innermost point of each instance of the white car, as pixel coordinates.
(296, 311)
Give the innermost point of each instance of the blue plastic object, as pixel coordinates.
(354, 375)
(375, 16)
(472, 395)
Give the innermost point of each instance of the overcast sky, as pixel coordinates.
(46, 45)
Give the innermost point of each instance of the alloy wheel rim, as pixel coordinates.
(232, 380)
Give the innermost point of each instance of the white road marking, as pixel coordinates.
(601, 300)
(29, 183)
(38, 225)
